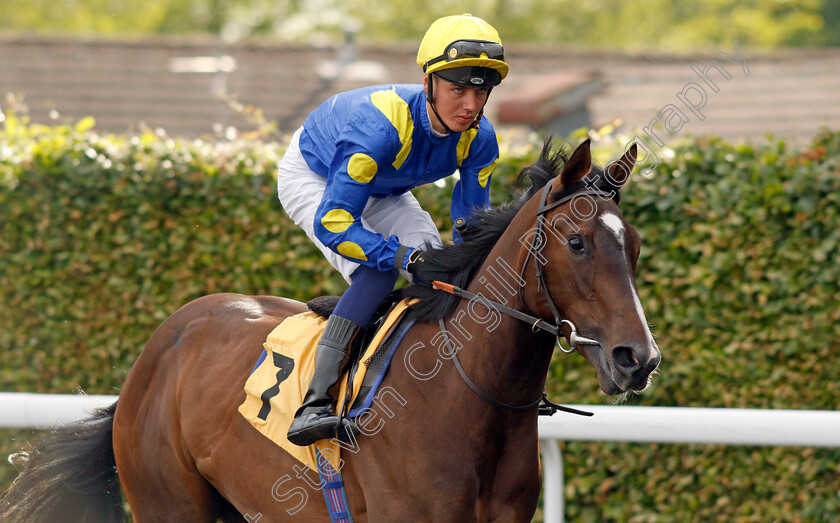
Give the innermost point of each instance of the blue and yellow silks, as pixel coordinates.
(377, 142)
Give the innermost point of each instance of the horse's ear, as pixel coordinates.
(576, 167)
(618, 172)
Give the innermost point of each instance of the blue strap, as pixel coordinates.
(333, 490)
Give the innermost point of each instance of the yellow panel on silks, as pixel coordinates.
(275, 389)
(399, 114)
(351, 250)
(337, 220)
(463, 148)
(362, 167)
(484, 174)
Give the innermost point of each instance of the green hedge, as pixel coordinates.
(104, 236)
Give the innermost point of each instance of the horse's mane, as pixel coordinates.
(458, 263)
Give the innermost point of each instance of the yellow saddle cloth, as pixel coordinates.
(275, 389)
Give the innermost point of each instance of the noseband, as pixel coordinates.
(545, 406)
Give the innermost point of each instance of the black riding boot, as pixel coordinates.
(315, 419)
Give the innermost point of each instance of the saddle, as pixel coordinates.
(279, 380)
(375, 362)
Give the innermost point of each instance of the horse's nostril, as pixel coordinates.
(625, 358)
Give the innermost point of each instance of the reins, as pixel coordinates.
(546, 407)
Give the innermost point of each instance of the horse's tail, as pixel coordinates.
(68, 476)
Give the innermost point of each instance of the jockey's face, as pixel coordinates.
(456, 104)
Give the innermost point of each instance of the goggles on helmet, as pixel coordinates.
(469, 49)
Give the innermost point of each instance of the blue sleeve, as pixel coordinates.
(472, 191)
(362, 146)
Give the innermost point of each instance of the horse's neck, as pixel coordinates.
(443, 419)
(502, 355)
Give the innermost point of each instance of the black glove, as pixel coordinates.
(415, 259)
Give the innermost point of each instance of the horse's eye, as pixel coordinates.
(576, 243)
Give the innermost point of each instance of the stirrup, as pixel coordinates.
(324, 427)
(347, 430)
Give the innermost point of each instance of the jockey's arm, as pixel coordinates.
(338, 220)
(472, 191)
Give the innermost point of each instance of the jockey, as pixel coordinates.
(346, 176)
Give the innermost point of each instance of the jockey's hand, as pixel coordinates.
(414, 260)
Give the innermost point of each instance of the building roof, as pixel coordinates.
(181, 85)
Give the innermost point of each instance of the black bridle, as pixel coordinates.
(546, 407)
(566, 195)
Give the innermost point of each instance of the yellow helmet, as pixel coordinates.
(463, 41)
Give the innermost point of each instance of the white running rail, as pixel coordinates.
(773, 427)
(25, 410)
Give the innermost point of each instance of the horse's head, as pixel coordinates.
(586, 253)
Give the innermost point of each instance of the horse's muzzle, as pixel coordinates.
(633, 366)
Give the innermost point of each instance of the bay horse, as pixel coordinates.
(431, 448)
